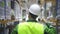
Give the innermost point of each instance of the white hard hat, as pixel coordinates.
(35, 9)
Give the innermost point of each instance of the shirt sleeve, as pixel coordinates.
(49, 30)
(15, 30)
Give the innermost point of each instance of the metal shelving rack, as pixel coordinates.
(5, 8)
(58, 13)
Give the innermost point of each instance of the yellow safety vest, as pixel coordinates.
(30, 28)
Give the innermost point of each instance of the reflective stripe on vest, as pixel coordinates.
(30, 28)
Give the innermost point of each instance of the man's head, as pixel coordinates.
(34, 10)
(32, 16)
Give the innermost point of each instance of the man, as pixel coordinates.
(31, 26)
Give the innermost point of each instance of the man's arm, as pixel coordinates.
(15, 30)
(50, 30)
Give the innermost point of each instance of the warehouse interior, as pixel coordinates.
(13, 12)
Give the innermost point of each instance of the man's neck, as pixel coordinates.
(31, 20)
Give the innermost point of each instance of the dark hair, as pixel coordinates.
(32, 15)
